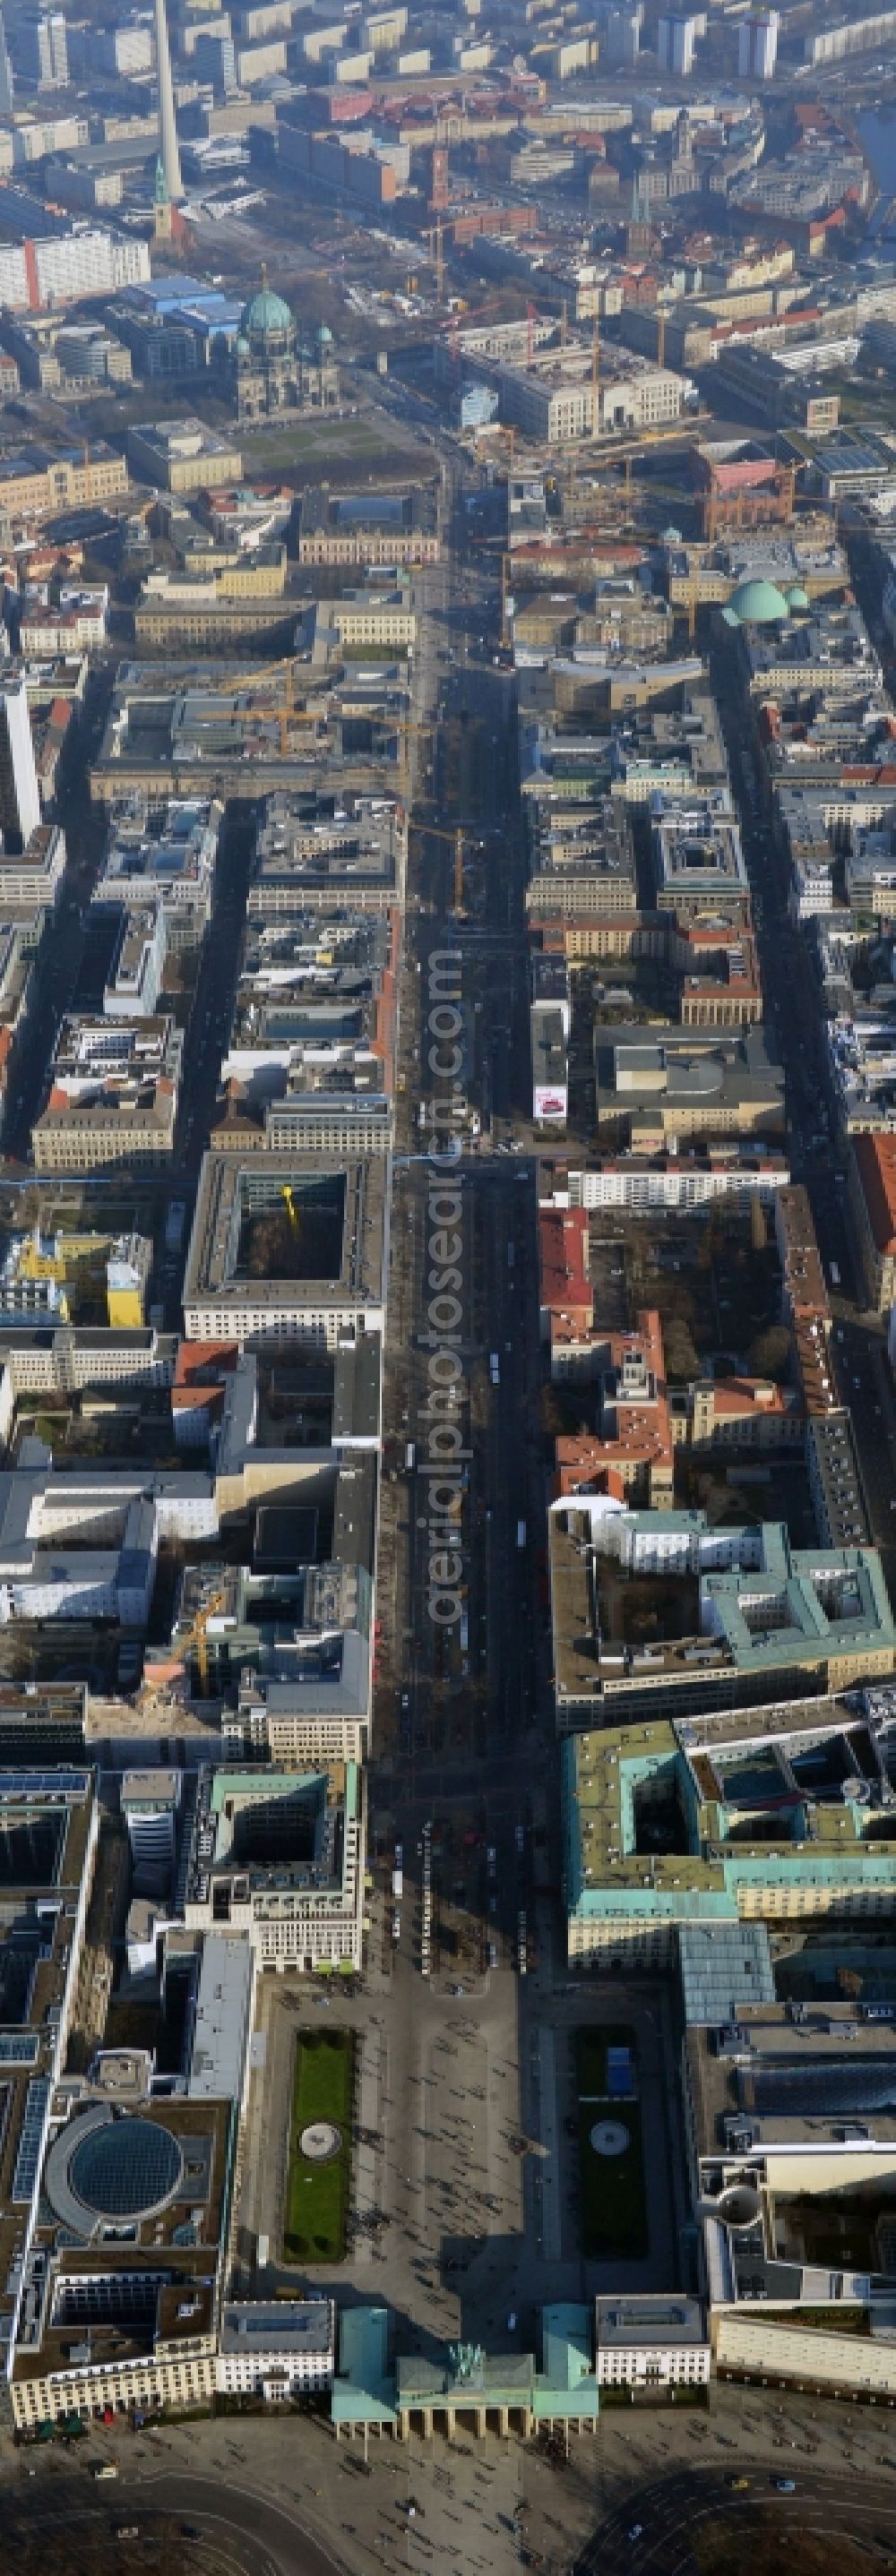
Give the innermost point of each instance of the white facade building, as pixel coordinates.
(649, 2343)
(676, 38)
(276, 2349)
(19, 791)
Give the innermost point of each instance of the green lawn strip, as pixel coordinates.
(614, 2208)
(613, 2201)
(592, 2040)
(317, 2194)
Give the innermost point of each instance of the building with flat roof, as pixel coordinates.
(732, 1171)
(314, 1013)
(289, 1650)
(19, 793)
(659, 1609)
(277, 2349)
(220, 2019)
(36, 483)
(49, 1828)
(672, 751)
(183, 456)
(382, 529)
(210, 728)
(113, 1095)
(136, 966)
(698, 862)
(278, 1857)
(651, 2344)
(322, 851)
(775, 1813)
(554, 398)
(284, 1244)
(658, 1083)
(872, 1199)
(30, 878)
(131, 2240)
(82, 1546)
(165, 855)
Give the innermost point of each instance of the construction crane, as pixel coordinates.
(284, 708)
(197, 1636)
(398, 725)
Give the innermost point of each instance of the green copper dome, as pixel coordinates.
(756, 603)
(265, 315)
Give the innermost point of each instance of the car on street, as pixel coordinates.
(785, 2486)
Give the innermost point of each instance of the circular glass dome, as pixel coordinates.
(125, 2169)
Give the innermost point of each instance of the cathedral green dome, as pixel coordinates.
(756, 603)
(265, 315)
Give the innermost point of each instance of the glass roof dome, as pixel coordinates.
(125, 2169)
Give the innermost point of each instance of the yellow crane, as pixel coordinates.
(291, 1208)
(198, 1637)
(284, 708)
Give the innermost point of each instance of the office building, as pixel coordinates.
(49, 1829)
(42, 49)
(7, 84)
(647, 1094)
(113, 1095)
(19, 792)
(61, 268)
(651, 2345)
(767, 1815)
(164, 855)
(128, 2249)
(183, 456)
(872, 1197)
(278, 1857)
(278, 2349)
(675, 41)
(285, 1244)
(729, 1608)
